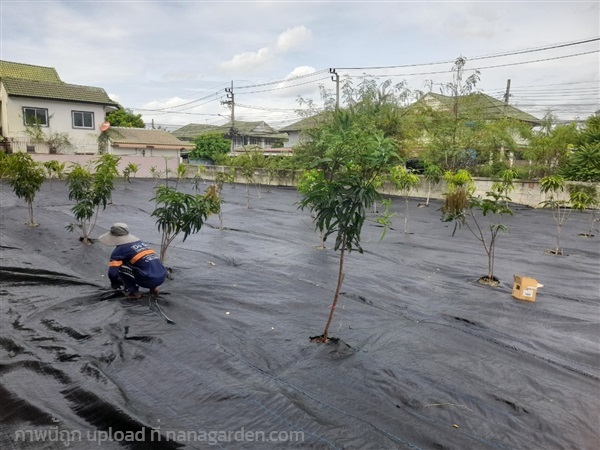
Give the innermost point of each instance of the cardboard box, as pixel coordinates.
(525, 288)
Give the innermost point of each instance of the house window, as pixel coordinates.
(31, 149)
(35, 116)
(83, 119)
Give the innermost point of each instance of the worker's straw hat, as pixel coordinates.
(119, 234)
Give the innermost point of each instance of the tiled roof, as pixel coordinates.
(28, 72)
(56, 91)
(307, 122)
(488, 107)
(191, 130)
(140, 136)
(252, 129)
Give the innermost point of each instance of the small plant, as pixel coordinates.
(404, 181)
(26, 179)
(249, 163)
(220, 179)
(505, 186)
(54, 168)
(433, 175)
(460, 186)
(198, 178)
(179, 213)
(553, 185)
(181, 173)
(91, 190)
(585, 197)
(128, 171)
(470, 211)
(156, 174)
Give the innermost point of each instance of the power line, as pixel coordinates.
(287, 80)
(477, 68)
(289, 83)
(498, 55)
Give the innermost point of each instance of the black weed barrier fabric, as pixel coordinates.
(424, 357)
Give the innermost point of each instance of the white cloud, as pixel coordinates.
(293, 38)
(249, 61)
(290, 40)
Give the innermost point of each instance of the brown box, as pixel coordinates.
(525, 288)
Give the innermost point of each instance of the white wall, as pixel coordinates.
(59, 114)
(293, 139)
(144, 163)
(144, 152)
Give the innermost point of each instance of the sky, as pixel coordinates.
(172, 61)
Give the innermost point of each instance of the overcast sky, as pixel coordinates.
(172, 60)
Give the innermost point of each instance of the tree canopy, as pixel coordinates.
(210, 146)
(123, 117)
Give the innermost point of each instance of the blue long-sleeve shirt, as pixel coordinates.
(141, 259)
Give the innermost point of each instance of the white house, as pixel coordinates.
(296, 131)
(34, 98)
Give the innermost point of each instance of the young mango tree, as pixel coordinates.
(249, 163)
(433, 175)
(552, 186)
(220, 179)
(26, 177)
(54, 169)
(585, 197)
(91, 190)
(460, 186)
(405, 181)
(179, 213)
(128, 171)
(470, 211)
(181, 173)
(353, 158)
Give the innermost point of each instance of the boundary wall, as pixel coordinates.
(527, 192)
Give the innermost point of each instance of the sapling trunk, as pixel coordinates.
(337, 292)
(406, 217)
(428, 193)
(30, 208)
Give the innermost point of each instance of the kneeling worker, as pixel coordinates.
(133, 264)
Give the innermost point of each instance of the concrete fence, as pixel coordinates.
(525, 193)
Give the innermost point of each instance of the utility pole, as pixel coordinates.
(507, 94)
(511, 155)
(336, 78)
(231, 103)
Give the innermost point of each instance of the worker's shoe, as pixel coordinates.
(134, 295)
(154, 292)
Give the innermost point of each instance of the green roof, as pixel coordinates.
(307, 122)
(28, 72)
(192, 130)
(252, 129)
(56, 91)
(488, 107)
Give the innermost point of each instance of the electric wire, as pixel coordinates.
(290, 83)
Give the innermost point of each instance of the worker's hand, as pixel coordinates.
(116, 285)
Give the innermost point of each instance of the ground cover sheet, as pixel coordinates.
(425, 357)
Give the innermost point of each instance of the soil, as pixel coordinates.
(422, 355)
(490, 281)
